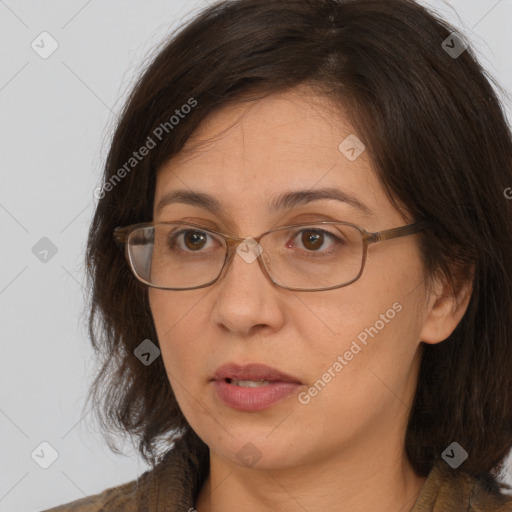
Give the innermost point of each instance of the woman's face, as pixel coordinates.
(354, 351)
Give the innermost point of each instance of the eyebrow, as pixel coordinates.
(287, 200)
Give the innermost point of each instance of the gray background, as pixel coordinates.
(56, 114)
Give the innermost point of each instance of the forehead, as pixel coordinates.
(248, 154)
(295, 119)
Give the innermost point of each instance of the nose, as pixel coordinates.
(245, 297)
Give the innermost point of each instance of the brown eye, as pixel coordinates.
(194, 239)
(312, 239)
(316, 242)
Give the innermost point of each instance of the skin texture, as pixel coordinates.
(346, 446)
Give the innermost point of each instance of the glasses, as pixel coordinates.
(304, 257)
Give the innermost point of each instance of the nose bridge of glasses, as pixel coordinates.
(232, 242)
(249, 255)
(253, 247)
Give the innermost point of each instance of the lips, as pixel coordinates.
(277, 386)
(253, 371)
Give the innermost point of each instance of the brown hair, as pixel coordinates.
(440, 144)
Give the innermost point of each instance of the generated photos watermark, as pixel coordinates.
(351, 148)
(454, 455)
(137, 156)
(454, 45)
(355, 348)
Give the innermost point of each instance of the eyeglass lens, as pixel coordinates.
(183, 256)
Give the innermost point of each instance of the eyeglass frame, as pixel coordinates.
(121, 235)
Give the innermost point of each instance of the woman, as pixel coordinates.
(311, 306)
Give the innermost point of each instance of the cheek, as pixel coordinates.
(364, 370)
(177, 326)
(357, 333)
(374, 324)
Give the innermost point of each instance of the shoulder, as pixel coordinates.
(459, 492)
(119, 499)
(482, 499)
(170, 485)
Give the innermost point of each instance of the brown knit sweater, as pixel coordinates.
(173, 486)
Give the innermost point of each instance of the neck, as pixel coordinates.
(359, 484)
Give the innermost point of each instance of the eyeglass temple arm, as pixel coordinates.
(400, 231)
(120, 237)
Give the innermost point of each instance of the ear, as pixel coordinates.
(445, 308)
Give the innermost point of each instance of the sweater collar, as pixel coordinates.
(174, 484)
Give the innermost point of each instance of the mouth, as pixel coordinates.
(248, 383)
(253, 387)
(252, 375)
